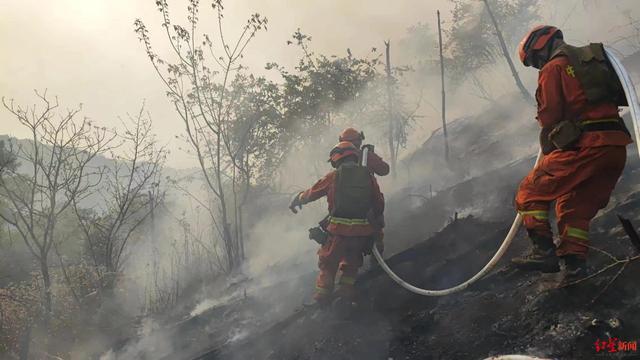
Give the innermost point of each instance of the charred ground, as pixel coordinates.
(506, 312)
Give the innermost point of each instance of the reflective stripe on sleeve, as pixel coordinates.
(345, 221)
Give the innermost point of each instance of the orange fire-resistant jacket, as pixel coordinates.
(561, 97)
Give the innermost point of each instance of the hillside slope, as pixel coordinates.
(506, 312)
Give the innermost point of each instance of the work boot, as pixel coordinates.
(322, 298)
(575, 268)
(542, 256)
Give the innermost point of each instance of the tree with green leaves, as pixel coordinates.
(326, 91)
(207, 84)
(324, 94)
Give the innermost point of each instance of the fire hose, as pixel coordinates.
(634, 110)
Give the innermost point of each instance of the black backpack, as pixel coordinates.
(595, 73)
(353, 192)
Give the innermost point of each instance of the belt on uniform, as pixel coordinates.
(603, 125)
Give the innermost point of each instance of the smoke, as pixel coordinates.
(154, 343)
(277, 276)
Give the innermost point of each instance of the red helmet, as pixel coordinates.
(341, 151)
(535, 40)
(351, 135)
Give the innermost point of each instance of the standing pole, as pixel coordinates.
(152, 210)
(444, 121)
(392, 148)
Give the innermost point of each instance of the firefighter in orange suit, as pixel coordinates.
(374, 161)
(583, 140)
(356, 207)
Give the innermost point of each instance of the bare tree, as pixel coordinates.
(390, 112)
(399, 119)
(443, 93)
(56, 171)
(130, 191)
(480, 32)
(507, 57)
(201, 87)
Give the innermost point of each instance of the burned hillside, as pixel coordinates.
(506, 312)
(216, 179)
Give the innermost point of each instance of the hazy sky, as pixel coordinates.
(85, 51)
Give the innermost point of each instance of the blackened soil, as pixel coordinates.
(507, 312)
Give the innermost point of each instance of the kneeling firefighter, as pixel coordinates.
(374, 161)
(583, 140)
(356, 208)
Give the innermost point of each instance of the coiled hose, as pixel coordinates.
(634, 109)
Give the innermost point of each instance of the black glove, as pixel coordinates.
(376, 240)
(318, 235)
(368, 246)
(295, 203)
(545, 143)
(324, 223)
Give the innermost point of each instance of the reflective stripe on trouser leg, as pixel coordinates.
(323, 291)
(345, 286)
(347, 280)
(328, 264)
(577, 233)
(326, 278)
(573, 241)
(349, 265)
(537, 221)
(324, 285)
(537, 214)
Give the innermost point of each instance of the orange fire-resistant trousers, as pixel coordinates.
(339, 253)
(580, 182)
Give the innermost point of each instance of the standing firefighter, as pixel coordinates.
(583, 140)
(374, 162)
(356, 207)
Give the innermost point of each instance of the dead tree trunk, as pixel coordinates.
(390, 114)
(25, 342)
(65, 274)
(505, 52)
(444, 119)
(152, 215)
(46, 282)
